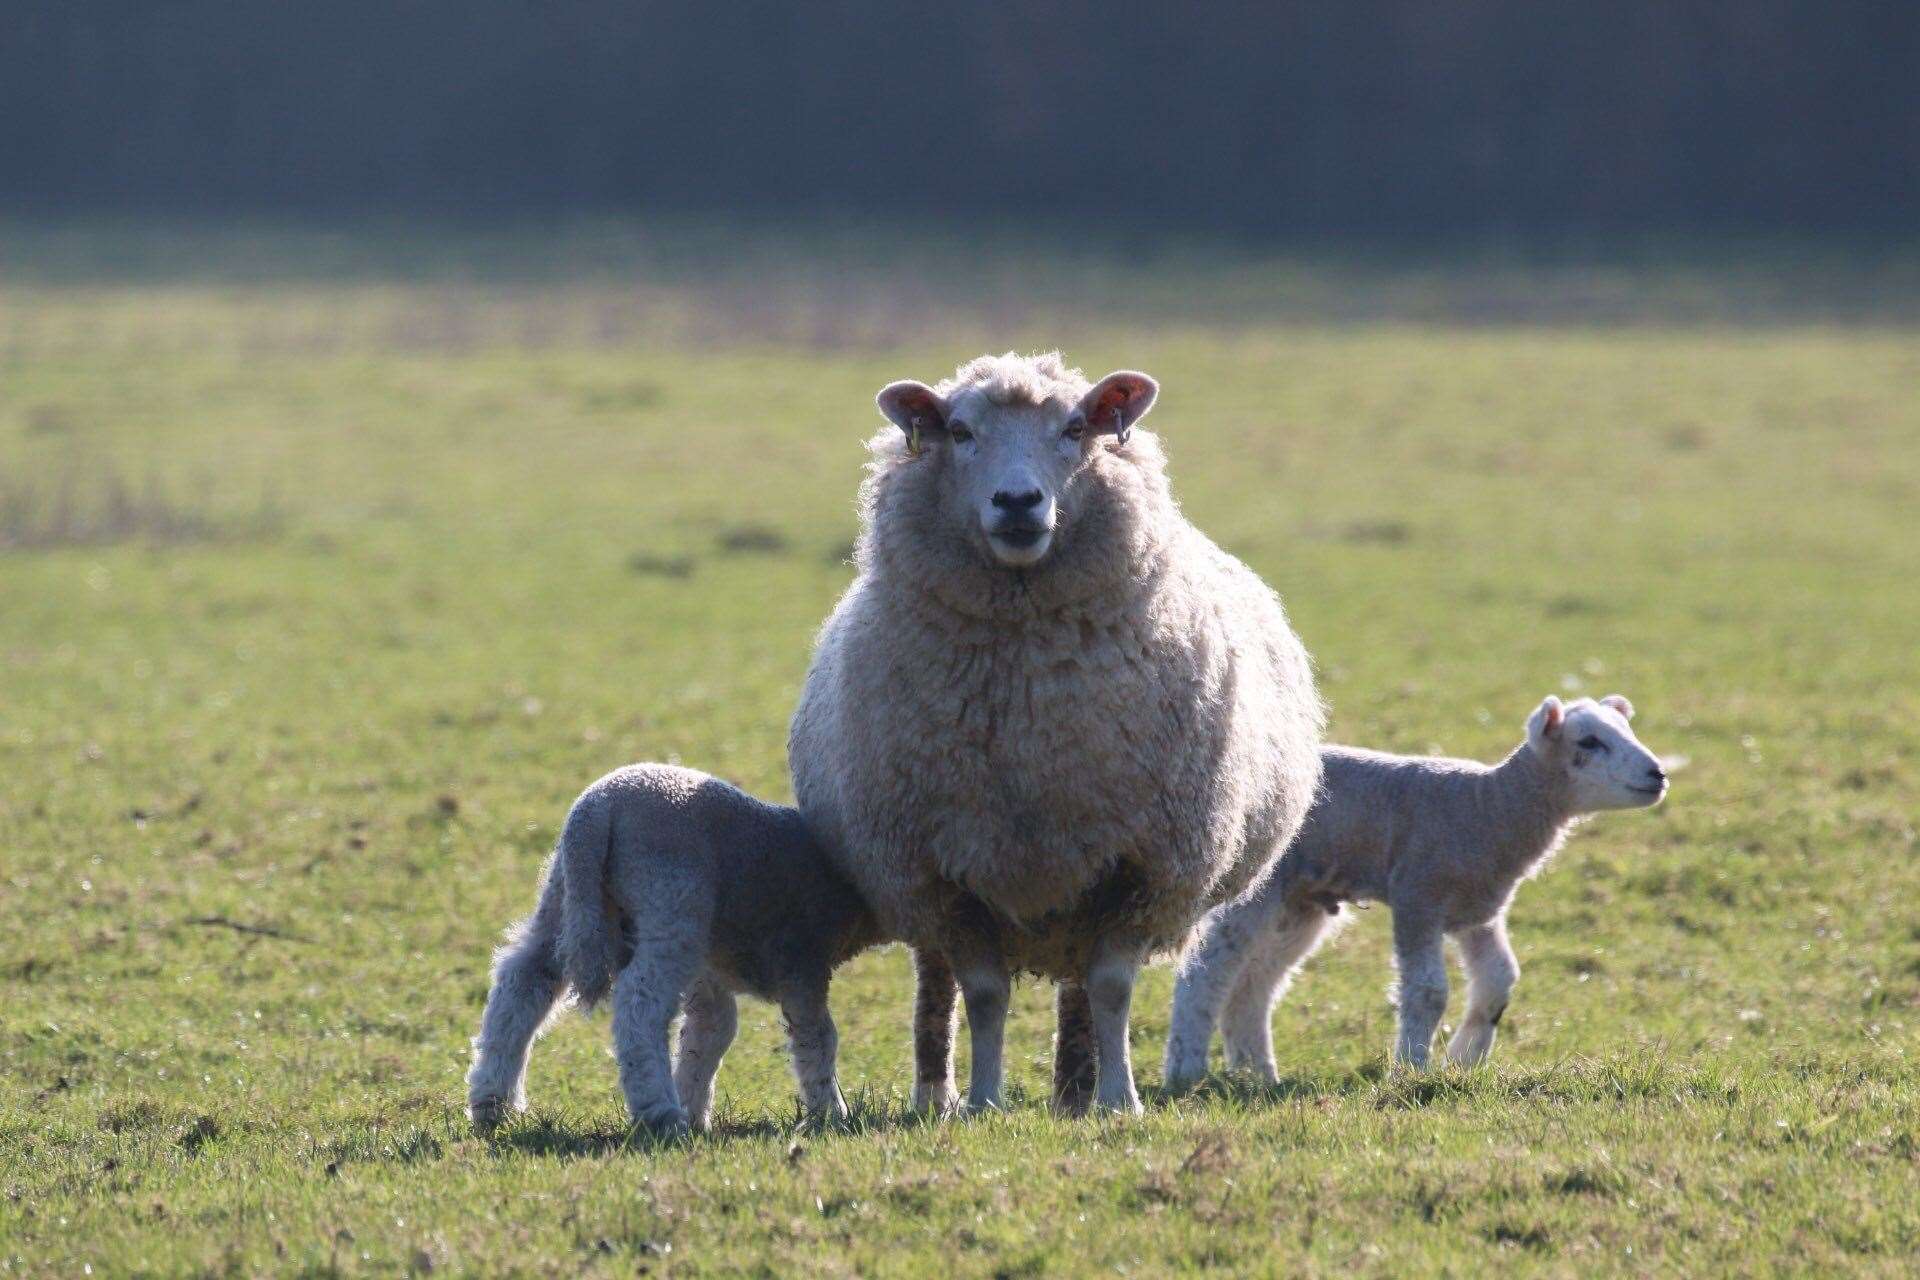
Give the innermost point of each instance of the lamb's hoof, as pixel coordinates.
(489, 1114)
(936, 1102)
(1122, 1108)
(665, 1124)
(984, 1107)
(1179, 1081)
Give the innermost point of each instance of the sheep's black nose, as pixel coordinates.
(1017, 501)
(1656, 773)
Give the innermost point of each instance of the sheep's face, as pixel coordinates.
(1605, 766)
(1008, 472)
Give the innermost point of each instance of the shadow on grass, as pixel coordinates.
(557, 1138)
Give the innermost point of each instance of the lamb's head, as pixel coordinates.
(1010, 437)
(1590, 747)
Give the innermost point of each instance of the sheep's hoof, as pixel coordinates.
(1122, 1108)
(936, 1101)
(666, 1124)
(488, 1114)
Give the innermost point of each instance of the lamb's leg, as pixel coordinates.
(934, 1007)
(646, 998)
(1491, 973)
(1075, 1062)
(527, 983)
(815, 1044)
(712, 1019)
(1422, 963)
(1227, 935)
(986, 987)
(1110, 977)
(1276, 957)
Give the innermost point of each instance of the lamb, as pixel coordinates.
(680, 884)
(1445, 843)
(1050, 723)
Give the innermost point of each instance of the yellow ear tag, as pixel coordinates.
(913, 439)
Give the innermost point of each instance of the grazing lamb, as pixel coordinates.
(1444, 843)
(680, 884)
(1050, 723)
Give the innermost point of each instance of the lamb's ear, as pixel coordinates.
(1545, 720)
(1116, 402)
(915, 408)
(1618, 703)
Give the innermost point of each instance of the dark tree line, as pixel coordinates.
(1282, 117)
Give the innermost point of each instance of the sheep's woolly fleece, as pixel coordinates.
(1125, 734)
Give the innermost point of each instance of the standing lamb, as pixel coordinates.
(681, 884)
(1050, 723)
(1445, 843)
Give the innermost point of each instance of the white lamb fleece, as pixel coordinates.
(1050, 766)
(1445, 843)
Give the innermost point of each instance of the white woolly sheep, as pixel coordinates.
(682, 885)
(1445, 843)
(1050, 723)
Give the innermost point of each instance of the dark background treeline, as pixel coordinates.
(1265, 118)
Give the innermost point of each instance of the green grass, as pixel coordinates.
(399, 562)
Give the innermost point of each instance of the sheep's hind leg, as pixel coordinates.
(1423, 984)
(712, 1019)
(1110, 978)
(1075, 1060)
(815, 1044)
(527, 984)
(1227, 935)
(646, 999)
(1491, 973)
(1276, 957)
(934, 1007)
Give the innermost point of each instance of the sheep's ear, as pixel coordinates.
(915, 408)
(1546, 720)
(1116, 402)
(1618, 703)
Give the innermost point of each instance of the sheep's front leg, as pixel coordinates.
(1491, 973)
(816, 1045)
(1227, 936)
(1421, 959)
(713, 1017)
(934, 1007)
(987, 988)
(1276, 957)
(1116, 962)
(1075, 1061)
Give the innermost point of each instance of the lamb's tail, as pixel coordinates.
(587, 953)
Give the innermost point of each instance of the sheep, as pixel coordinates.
(1445, 843)
(680, 884)
(1050, 723)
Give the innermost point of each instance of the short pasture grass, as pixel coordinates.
(326, 593)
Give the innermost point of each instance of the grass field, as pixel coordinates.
(329, 574)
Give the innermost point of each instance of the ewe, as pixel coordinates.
(1050, 723)
(683, 885)
(1444, 843)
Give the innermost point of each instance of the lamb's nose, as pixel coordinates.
(1017, 501)
(1656, 773)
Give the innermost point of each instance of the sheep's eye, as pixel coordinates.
(959, 432)
(1591, 743)
(1075, 429)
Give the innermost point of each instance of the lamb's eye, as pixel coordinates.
(1075, 429)
(1591, 743)
(960, 432)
